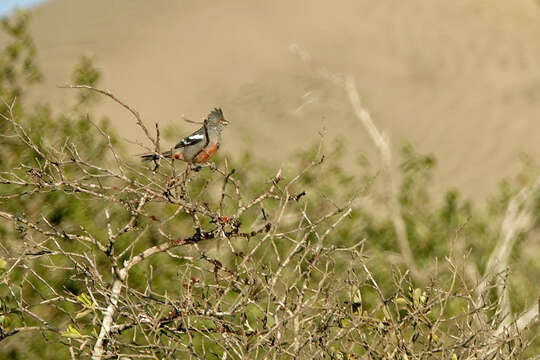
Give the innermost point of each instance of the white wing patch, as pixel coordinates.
(190, 140)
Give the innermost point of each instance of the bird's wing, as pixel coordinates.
(192, 139)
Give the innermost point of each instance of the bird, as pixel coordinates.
(201, 145)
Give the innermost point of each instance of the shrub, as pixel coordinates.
(105, 257)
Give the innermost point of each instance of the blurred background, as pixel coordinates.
(458, 79)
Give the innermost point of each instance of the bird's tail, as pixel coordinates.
(154, 156)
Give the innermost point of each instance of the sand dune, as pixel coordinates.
(460, 79)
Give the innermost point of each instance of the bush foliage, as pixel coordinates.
(102, 256)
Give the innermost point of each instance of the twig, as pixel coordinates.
(134, 112)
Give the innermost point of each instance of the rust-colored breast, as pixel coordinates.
(206, 154)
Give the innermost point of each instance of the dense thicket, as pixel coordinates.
(102, 256)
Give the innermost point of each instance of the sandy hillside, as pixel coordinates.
(460, 79)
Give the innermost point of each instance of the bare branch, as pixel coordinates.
(134, 112)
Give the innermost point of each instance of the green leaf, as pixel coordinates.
(86, 301)
(71, 332)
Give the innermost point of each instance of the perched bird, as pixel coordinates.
(200, 146)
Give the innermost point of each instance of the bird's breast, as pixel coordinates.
(207, 153)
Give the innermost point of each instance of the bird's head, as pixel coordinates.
(216, 118)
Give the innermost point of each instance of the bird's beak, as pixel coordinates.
(225, 121)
